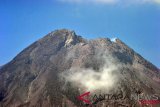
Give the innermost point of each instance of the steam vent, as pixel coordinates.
(57, 69)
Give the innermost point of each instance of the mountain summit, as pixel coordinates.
(56, 69)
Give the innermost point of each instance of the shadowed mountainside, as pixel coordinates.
(32, 78)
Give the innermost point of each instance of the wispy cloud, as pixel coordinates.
(157, 1)
(90, 1)
(112, 1)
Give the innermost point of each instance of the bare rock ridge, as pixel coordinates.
(33, 77)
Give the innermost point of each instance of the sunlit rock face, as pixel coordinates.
(56, 69)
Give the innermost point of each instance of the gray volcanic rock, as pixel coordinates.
(32, 78)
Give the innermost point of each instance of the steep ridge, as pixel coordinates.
(48, 72)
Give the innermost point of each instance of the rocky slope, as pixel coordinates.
(48, 73)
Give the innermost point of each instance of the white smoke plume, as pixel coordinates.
(88, 79)
(113, 39)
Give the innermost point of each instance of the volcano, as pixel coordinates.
(55, 70)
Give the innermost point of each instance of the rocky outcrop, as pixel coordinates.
(32, 78)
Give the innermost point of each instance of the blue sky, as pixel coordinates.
(137, 23)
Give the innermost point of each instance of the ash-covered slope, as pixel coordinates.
(56, 69)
